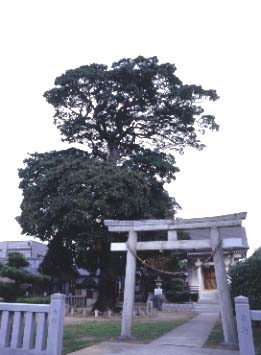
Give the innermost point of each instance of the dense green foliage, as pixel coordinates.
(245, 278)
(65, 192)
(135, 102)
(17, 260)
(34, 300)
(58, 262)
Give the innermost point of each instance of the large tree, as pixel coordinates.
(135, 102)
(128, 116)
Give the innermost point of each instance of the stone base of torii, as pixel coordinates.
(214, 244)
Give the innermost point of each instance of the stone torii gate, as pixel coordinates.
(214, 244)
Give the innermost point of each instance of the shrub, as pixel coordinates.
(176, 292)
(17, 260)
(245, 280)
(9, 292)
(34, 300)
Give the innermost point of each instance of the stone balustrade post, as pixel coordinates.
(56, 322)
(244, 326)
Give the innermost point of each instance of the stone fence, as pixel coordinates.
(244, 317)
(33, 329)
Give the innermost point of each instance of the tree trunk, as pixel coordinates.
(107, 291)
(114, 152)
(107, 281)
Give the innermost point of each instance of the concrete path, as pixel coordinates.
(193, 333)
(186, 339)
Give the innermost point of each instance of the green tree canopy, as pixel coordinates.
(65, 192)
(135, 102)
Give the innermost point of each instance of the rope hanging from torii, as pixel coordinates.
(161, 271)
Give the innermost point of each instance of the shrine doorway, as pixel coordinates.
(209, 278)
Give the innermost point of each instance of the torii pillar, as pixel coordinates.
(129, 288)
(227, 317)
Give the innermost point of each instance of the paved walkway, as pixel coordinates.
(186, 339)
(193, 333)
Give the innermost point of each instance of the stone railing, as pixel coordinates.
(244, 317)
(34, 329)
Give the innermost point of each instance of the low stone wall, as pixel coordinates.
(178, 307)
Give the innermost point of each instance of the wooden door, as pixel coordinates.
(209, 278)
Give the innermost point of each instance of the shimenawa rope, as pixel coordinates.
(143, 261)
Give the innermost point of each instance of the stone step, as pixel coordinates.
(196, 307)
(206, 308)
(206, 295)
(206, 304)
(193, 307)
(208, 298)
(207, 301)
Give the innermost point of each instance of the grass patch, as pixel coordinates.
(88, 333)
(257, 339)
(216, 339)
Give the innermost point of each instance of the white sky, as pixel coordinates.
(213, 43)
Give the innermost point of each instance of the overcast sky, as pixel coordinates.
(213, 43)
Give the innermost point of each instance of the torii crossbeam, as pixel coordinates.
(213, 224)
